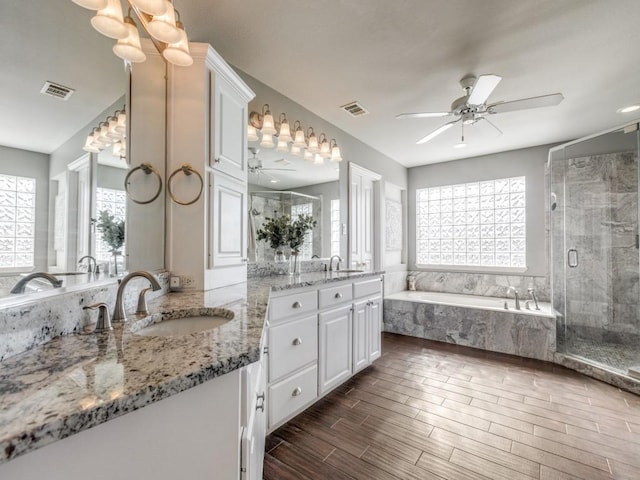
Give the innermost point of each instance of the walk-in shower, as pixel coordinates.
(594, 248)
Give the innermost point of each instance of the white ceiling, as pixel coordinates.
(393, 57)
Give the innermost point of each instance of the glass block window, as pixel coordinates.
(306, 251)
(17, 221)
(114, 202)
(472, 224)
(335, 227)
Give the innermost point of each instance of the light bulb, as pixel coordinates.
(89, 146)
(335, 153)
(129, 48)
(285, 131)
(299, 140)
(91, 4)
(297, 151)
(252, 133)
(308, 155)
(163, 27)
(121, 128)
(317, 159)
(267, 141)
(178, 52)
(313, 142)
(282, 146)
(152, 7)
(268, 127)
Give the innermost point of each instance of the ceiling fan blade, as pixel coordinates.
(437, 132)
(424, 115)
(484, 86)
(525, 103)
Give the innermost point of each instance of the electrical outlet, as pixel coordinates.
(175, 282)
(188, 281)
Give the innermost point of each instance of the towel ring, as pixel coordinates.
(187, 170)
(147, 168)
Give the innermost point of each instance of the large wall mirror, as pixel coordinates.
(284, 184)
(51, 191)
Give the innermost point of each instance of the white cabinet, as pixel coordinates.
(334, 359)
(254, 423)
(229, 129)
(367, 323)
(227, 229)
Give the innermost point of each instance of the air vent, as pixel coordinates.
(354, 109)
(56, 90)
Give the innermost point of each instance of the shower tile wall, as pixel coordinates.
(600, 218)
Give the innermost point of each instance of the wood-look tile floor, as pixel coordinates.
(427, 410)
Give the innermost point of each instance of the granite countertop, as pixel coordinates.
(75, 382)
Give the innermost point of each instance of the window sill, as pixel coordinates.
(472, 269)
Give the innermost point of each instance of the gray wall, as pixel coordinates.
(111, 177)
(529, 162)
(18, 162)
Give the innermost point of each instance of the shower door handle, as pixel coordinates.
(572, 258)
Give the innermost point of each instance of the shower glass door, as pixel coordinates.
(594, 238)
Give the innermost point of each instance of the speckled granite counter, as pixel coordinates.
(75, 382)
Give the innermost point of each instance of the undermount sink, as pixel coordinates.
(172, 327)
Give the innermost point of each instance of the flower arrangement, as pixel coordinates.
(297, 231)
(112, 230)
(283, 231)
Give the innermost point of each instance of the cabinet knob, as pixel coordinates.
(216, 160)
(297, 305)
(337, 295)
(260, 402)
(297, 391)
(297, 341)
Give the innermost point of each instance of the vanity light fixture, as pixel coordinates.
(297, 144)
(629, 109)
(129, 48)
(317, 159)
(158, 18)
(335, 151)
(111, 131)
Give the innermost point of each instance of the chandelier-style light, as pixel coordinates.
(311, 148)
(158, 18)
(109, 132)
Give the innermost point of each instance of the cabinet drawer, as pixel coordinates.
(367, 288)
(292, 345)
(329, 297)
(297, 304)
(292, 394)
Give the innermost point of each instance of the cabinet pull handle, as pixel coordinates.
(260, 406)
(337, 295)
(572, 258)
(297, 305)
(297, 341)
(297, 391)
(265, 350)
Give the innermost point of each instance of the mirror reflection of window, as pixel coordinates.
(306, 251)
(114, 202)
(335, 227)
(17, 222)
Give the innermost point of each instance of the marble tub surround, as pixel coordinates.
(75, 382)
(482, 284)
(36, 321)
(395, 281)
(523, 333)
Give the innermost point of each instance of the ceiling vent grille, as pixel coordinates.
(56, 90)
(354, 109)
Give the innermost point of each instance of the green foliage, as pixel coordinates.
(298, 229)
(283, 231)
(274, 231)
(112, 230)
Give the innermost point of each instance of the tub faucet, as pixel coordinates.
(90, 259)
(517, 296)
(532, 292)
(337, 263)
(22, 283)
(119, 315)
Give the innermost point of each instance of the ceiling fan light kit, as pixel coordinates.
(473, 107)
(309, 146)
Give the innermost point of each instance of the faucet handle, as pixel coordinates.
(143, 309)
(104, 319)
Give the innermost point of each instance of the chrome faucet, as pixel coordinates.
(119, 315)
(337, 263)
(515, 293)
(90, 259)
(22, 283)
(532, 292)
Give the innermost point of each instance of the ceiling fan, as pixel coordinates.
(473, 106)
(256, 167)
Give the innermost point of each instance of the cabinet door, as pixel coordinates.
(360, 337)
(229, 130)
(254, 431)
(334, 360)
(374, 323)
(228, 234)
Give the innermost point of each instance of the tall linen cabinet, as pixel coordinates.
(207, 118)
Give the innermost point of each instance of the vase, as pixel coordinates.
(294, 263)
(113, 263)
(280, 259)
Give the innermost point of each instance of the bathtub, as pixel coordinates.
(473, 321)
(474, 301)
